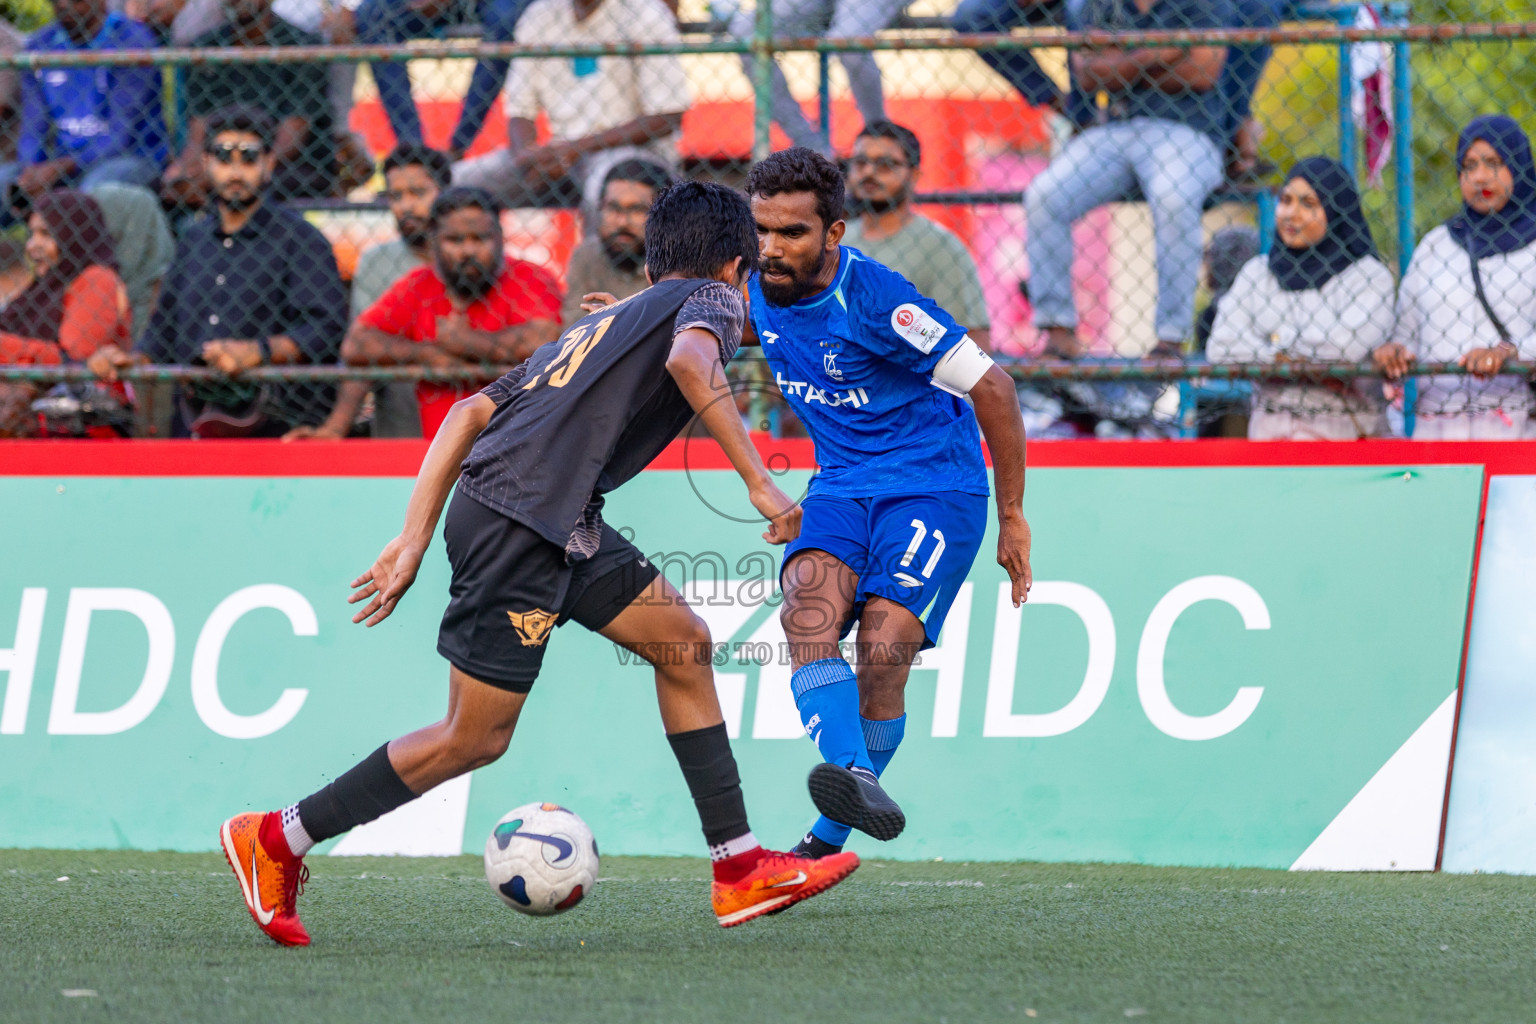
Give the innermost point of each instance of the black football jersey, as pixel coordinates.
(592, 408)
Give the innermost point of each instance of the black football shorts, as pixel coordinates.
(511, 588)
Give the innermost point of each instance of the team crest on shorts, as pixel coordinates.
(533, 627)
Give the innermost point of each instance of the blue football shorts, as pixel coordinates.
(913, 549)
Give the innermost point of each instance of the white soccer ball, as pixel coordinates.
(541, 859)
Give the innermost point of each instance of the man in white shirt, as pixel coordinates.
(600, 109)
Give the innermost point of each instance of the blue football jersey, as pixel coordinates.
(854, 362)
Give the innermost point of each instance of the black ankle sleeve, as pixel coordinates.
(705, 757)
(367, 791)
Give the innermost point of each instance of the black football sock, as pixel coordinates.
(369, 790)
(705, 757)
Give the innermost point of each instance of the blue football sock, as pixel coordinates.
(881, 739)
(827, 695)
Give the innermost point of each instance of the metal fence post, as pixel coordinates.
(1347, 110)
(1402, 159)
(824, 98)
(1265, 201)
(762, 79)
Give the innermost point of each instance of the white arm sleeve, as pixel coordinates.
(961, 368)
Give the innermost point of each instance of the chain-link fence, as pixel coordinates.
(1264, 218)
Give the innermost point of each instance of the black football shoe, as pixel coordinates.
(854, 796)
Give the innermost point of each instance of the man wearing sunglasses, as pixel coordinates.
(253, 285)
(881, 178)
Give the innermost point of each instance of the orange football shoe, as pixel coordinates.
(779, 881)
(270, 876)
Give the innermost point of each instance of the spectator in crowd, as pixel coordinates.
(1228, 251)
(294, 96)
(1239, 80)
(1018, 67)
(383, 22)
(255, 284)
(1470, 294)
(185, 21)
(76, 303)
(835, 18)
(1162, 139)
(83, 126)
(882, 176)
(336, 23)
(612, 264)
(414, 175)
(471, 307)
(1321, 295)
(141, 238)
(600, 109)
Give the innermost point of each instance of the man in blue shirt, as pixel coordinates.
(85, 126)
(1163, 133)
(878, 374)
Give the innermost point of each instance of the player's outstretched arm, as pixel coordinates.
(395, 569)
(997, 411)
(694, 364)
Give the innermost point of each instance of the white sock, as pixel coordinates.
(293, 830)
(731, 847)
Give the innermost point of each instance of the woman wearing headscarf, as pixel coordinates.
(141, 237)
(75, 306)
(77, 303)
(1321, 295)
(1470, 293)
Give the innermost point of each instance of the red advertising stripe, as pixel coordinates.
(401, 458)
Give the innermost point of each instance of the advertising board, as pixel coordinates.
(1218, 666)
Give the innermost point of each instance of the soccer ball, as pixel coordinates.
(541, 859)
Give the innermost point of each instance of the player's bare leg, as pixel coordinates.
(266, 851)
(475, 732)
(661, 628)
(890, 637)
(749, 881)
(818, 598)
(819, 591)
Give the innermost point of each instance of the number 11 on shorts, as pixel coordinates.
(920, 531)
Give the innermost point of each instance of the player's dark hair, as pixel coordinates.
(413, 154)
(247, 120)
(899, 134)
(695, 228)
(801, 170)
(464, 197)
(642, 172)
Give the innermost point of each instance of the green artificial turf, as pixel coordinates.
(165, 937)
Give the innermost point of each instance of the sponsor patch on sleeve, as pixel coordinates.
(917, 328)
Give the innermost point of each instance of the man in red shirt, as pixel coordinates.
(471, 307)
